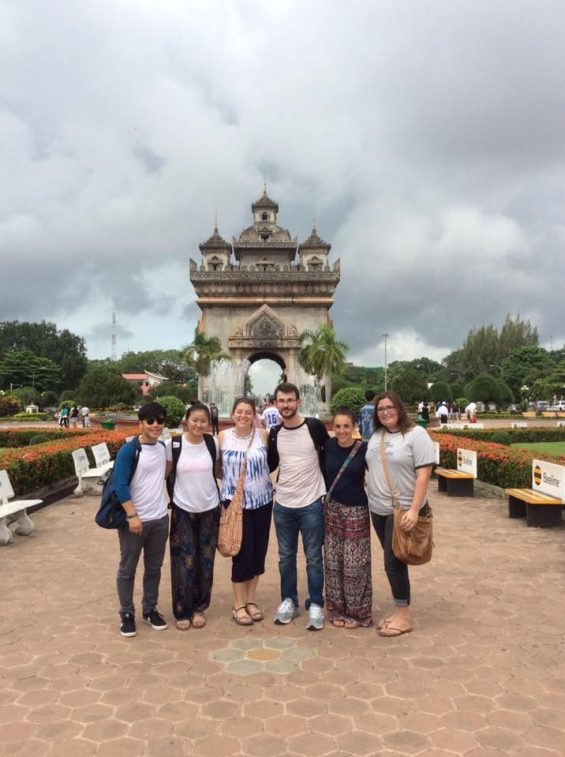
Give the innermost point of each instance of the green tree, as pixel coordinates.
(25, 368)
(203, 352)
(440, 391)
(175, 410)
(103, 386)
(167, 363)
(183, 392)
(359, 376)
(9, 405)
(411, 386)
(353, 397)
(484, 388)
(322, 354)
(65, 349)
(525, 365)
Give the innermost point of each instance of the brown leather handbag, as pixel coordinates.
(413, 547)
(230, 533)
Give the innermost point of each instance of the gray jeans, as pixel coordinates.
(152, 541)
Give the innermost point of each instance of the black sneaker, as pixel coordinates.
(128, 625)
(155, 620)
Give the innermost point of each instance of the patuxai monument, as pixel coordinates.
(258, 294)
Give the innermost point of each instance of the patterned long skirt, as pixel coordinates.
(192, 543)
(347, 563)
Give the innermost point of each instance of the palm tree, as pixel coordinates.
(322, 354)
(203, 352)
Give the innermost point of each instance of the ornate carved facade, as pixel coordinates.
(260, 292)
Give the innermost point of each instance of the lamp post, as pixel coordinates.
(385, 337)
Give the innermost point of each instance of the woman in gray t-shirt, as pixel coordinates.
(409, 457)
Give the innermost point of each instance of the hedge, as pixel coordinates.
(497, 464)
(15, 437)
(31, 468)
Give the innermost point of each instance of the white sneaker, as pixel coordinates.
(315, 618)
(287, 611)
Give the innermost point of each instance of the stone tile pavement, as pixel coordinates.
(483, 673)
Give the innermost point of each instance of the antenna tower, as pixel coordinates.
(114, 352)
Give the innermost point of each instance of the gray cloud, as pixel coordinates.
(426, 139)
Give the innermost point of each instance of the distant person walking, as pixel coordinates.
(214, 418)
(366, 413)
(85, 416)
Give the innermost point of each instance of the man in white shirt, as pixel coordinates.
(147, 521)
(297, 447)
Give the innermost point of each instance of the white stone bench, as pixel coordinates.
(468, 425)
(14, 511)
(87, 476)
(102, 456)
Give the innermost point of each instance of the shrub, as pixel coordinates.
(502, 437)
(29, 417)
(9, 405)
(38, 439)
(352, 397)
(175, 410)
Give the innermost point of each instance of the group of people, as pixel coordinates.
(328, 492)
(72, 416)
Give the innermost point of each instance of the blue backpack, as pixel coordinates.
(111, 514)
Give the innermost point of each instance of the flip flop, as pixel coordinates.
(389, 631)
(198, 619)
(183, 625)
(338, 623)
(382, 622)
(241, 620)
(257, 614)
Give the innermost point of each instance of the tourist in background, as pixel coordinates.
(195, 518)
(214, 418)
(347, 535)
(400, 456)
(242, 441)
(366, 414)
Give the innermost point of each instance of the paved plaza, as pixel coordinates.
(483, 673)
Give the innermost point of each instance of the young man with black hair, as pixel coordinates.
(147, 526)
(297, 447)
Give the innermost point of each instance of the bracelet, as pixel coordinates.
(131, 517)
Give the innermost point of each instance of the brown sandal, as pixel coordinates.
(257, 614)
(241, 620)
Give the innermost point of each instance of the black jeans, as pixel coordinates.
(396, 570)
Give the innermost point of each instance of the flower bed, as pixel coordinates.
(30, 468)
(537, 434)
(497, 464)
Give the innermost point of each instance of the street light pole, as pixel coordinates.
(385, 337)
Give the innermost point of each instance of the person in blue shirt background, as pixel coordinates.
(366, 413)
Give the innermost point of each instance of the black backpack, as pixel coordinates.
(111, 514)
(176, 447)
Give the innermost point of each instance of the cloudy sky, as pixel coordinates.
(427, 139)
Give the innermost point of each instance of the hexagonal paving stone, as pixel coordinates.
(251, 655)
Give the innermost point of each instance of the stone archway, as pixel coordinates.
(259, 303)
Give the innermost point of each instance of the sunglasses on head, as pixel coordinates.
(152, 419)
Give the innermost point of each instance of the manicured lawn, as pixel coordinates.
(550, 448)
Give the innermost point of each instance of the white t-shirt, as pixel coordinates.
(300, 480)
(271, 417)
(148, 484)
(404, 454)
(195, 486)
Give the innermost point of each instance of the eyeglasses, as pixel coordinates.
(286, 402)
(151, 420)
(387, 409)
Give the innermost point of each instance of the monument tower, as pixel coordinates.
(258, 294)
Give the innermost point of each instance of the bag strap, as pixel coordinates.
(241, 478)
(211, 445)
(394, 494)
(346, 462)
(137, 451)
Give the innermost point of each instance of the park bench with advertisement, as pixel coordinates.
(460, 482)
(541, 505)
(14, 511)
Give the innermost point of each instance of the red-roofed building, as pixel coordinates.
(146, 380)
